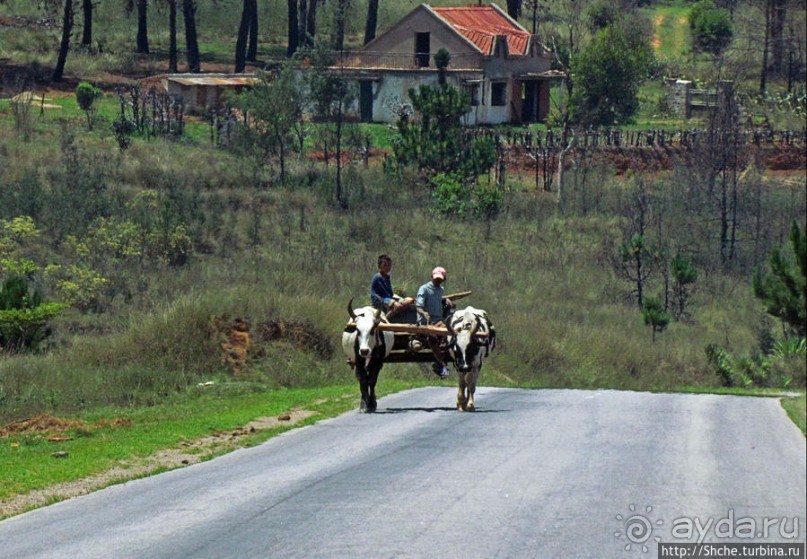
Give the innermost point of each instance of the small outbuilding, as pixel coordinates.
(205, 90)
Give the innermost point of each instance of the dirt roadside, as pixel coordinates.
(187, 453)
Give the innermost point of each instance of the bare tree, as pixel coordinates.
(342, 7)
(86, 9)
(249, 18)
(633, 259)
(172, 36)
(64, 47)
(309, 22)
(514, 9)
(372, 21)
(142, 27)
(191, 40)
(252, 44)
(294, 29)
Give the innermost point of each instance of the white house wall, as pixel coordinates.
(392, 90)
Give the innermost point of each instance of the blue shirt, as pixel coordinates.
(381, 291)
(430, 299)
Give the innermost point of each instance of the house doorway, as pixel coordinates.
(530, 101)
(366, 101)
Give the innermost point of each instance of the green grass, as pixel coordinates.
(670, 29)
(796, 409)
(139, 432)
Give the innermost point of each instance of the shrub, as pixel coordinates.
(655, 315)
(86, 94)
(784, 289)
(710, 26)
(23, 315)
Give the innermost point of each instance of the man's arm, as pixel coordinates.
(420, 303)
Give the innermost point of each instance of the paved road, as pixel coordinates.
(543, 473)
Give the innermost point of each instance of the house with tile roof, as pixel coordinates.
(500, 64)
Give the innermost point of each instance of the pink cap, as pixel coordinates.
(439, 272)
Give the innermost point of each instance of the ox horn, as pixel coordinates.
(477, 324)
(350, 309)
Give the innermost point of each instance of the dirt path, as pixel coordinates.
(658, 21)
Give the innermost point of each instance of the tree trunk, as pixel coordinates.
(173, 65)
(191, 41)
(67, 28)
(241, 41)
(372, 21)
(514, 8)
(777, 21)
(339, 23)
(86, 36)
(764, 78)
(302, 34)
(142, 27)
(294, 29)
(311, 25)
(252, 45)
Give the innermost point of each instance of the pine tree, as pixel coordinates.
(784, 289)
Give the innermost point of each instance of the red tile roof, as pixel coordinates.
(480, 24)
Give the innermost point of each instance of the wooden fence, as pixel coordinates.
(613, 137)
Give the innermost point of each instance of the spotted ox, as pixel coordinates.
(470, 338)
(366, 347)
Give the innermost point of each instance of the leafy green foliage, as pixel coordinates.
(608, 73)
(436, 141)
(783, 367)
(442, 58)
(601, 14)
(274, 106)
(655, 315)
(23, 315)
(710, 26)
(86, 95)
(684, 276)
(449, 154)
(784, 289)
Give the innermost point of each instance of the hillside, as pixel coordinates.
(221, 238)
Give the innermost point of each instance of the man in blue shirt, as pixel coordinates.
(429, 305)
(381, 294)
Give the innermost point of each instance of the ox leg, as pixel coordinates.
(362, 377)
(371, 382)
(461, 401)
(473, 376)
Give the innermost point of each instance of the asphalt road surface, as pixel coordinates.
(533, 473)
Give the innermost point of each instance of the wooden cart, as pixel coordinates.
(406, 334)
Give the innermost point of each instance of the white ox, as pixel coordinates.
(366, 347)
(470, 338)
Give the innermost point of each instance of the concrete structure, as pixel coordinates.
(205, 90)
(502, 66)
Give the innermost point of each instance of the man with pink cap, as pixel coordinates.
(429, 304)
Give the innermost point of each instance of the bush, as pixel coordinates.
(86, 94)
(23, 315)
(608, 73)
(711, 27)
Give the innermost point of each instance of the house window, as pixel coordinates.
(473, 89)
(422, 49)
(498, 94)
